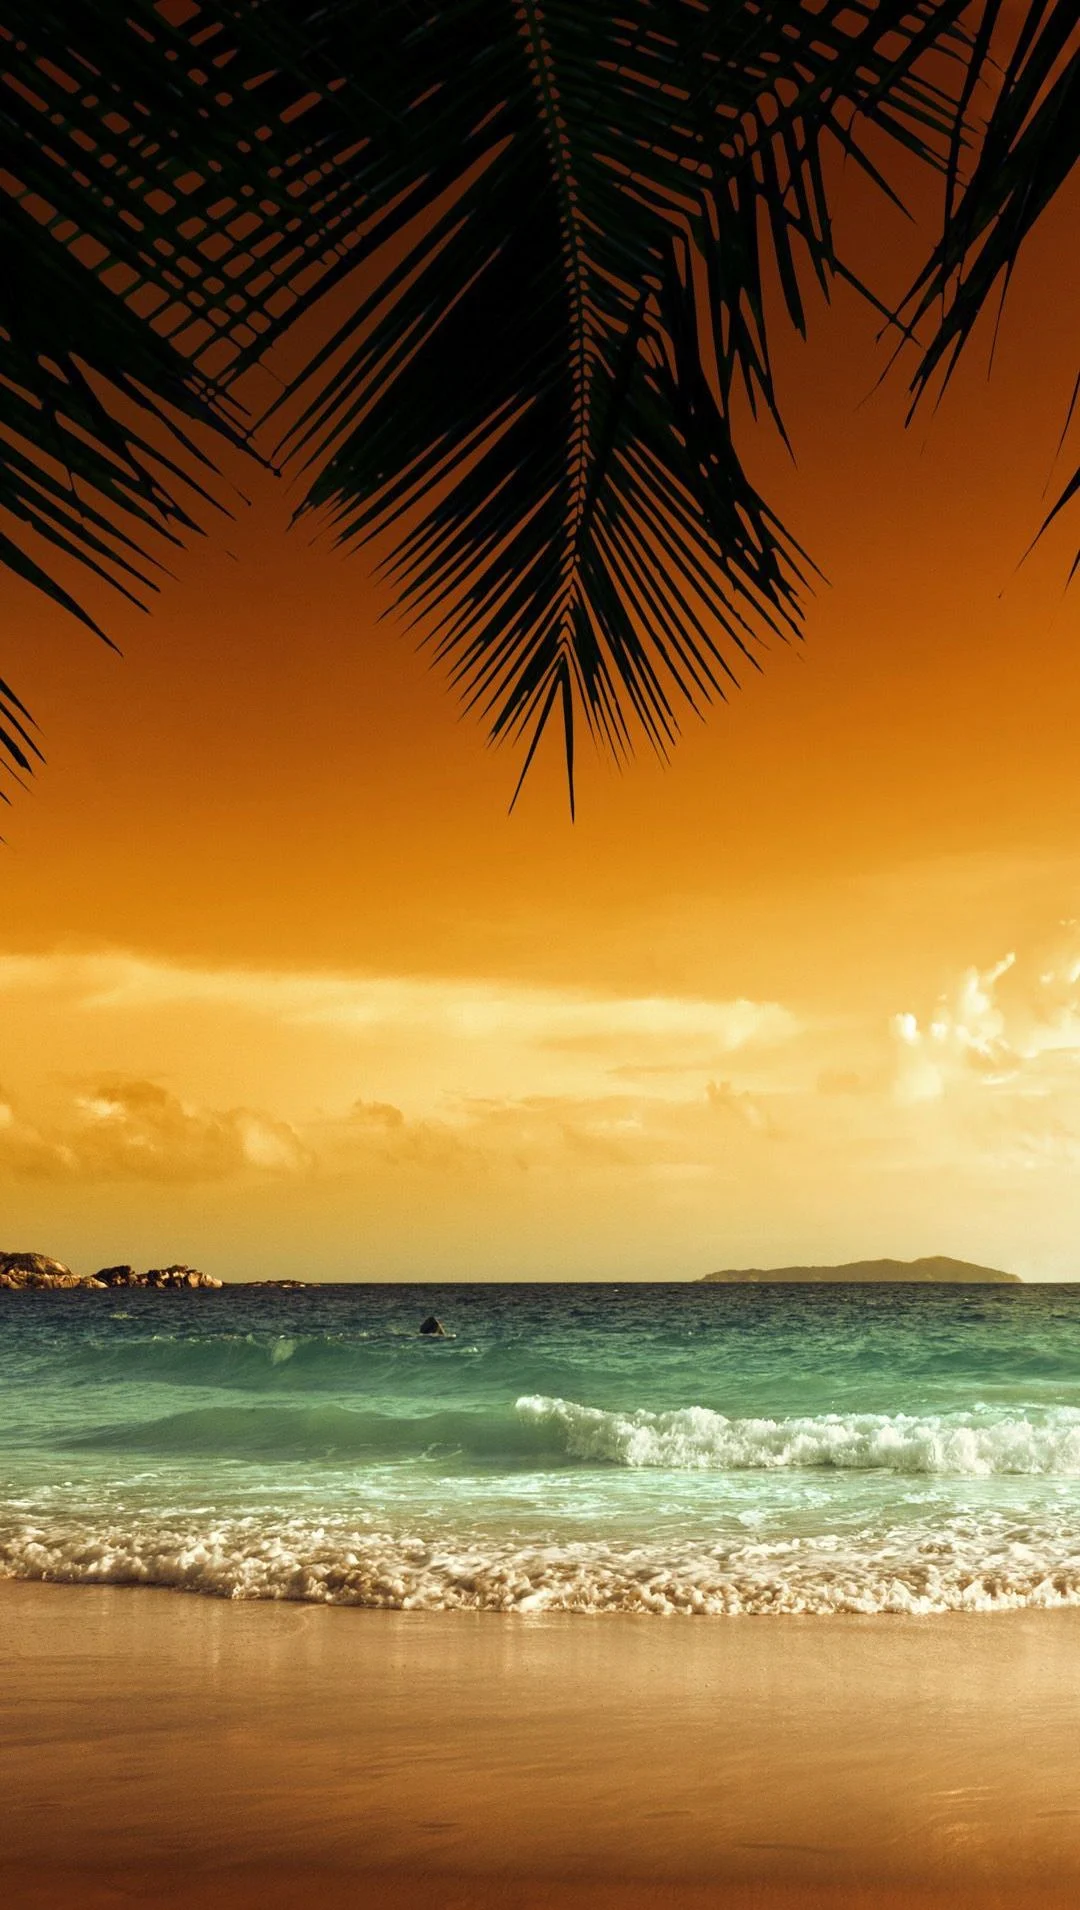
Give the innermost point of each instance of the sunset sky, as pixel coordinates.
(285, 992)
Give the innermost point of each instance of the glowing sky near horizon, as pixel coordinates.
(284, 991)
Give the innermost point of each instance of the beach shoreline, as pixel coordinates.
(182, 1750)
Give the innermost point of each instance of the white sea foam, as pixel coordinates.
(693, 1438)
(965, 1565)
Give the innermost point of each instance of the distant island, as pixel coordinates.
(934, 1270)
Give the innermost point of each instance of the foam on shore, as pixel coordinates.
(986, 1564)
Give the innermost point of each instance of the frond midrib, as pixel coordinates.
(531, 20)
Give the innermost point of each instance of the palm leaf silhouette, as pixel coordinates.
(567, 223)
(157, 203)
(1024, 154)
(535, 403)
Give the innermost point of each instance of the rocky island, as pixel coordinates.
(933, 1270)
(33, 1272)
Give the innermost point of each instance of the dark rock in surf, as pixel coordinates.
(433, 1329)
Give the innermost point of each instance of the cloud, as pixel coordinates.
(469, 1010)
(965, 1035)
(375, 1073)
(121, 1129)
(745, 1108)
(990, 1078)
(840, 1081)
(543, 1133)
(373, 1134)
(312, 1044)
(27, 1153)
(381, 1116)
(643, 1134)
(1012, 1027)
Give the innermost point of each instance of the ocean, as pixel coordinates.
(674, 1449)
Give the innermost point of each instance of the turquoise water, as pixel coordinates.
(647, 1448)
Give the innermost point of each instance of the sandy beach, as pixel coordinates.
(156, 1748)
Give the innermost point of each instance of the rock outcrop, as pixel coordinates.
(26, 1272)
(170, 1277)
(120, 1277)
(162, 1279)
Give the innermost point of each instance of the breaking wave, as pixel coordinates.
(969, 1445)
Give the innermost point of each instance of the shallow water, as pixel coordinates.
(649, 1448)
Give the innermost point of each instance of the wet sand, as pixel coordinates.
(170, 1750)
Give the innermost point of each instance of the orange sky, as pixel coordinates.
(285, 991)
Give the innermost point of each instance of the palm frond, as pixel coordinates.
(535, 403)
(16, 732)
(162, 211)
(590, 206)
(1024, 153)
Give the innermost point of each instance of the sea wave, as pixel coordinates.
(543, 1431)
(356, 1363)
(966, 1567)
(694, 1438)
(287, 1432)
(248, 1359)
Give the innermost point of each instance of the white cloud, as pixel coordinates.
(1010, 1029)
(967, 1033)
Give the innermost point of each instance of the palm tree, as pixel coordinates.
(561, 218)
